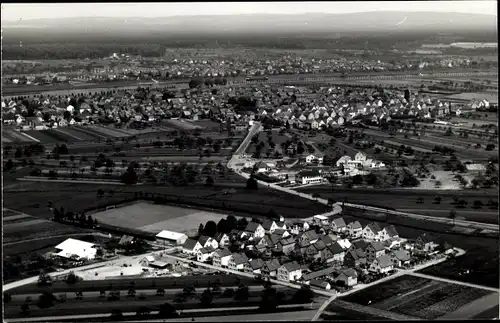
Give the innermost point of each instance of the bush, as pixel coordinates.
(72, 278)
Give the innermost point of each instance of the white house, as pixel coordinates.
(208, 242)
(262, 167)
(349, 277)
(171, 237)
(387, 233)
(205, 254)
(237, 261)
(360, 157)
(222, 239)
(314, 158)
(76, 248)
(371, 232)
(355, 229)
(290, 271)
(255, 230)
(400, 258)
(191, 246)
(374, 250)
(309, 177)
(221, 258)
(381, 265)
(338, 225)
(343, 161)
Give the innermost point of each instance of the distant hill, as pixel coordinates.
(379, 21)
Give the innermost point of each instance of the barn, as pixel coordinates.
(171, 237)
(73, 248)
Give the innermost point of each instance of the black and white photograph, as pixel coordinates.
(250, 161)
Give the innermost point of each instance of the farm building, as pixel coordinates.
(159, 262)
(171, 237)
(72, 248)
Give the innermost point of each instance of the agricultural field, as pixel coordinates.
(179, 124)
(418, 297)
(490, 97)
(154, 218)
(19, 226)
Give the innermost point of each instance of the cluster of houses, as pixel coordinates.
(288, 251)
(345, 166)
(300, 106)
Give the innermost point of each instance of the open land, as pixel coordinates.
(422, 298)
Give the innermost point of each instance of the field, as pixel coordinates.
(18, 226)
(490, 97)
(406, 200)
(154, 218)
(418, 297)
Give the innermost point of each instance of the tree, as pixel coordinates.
(100, 193)
(143, 311)
(437, 200)
(303, 295)
(206, 298)
(25, 309)
(252, 183)
(242, 224)
(72, 278)
(129, 177)
(44, 279)
(477, 204)
(116, 315)
(46, 300)
(200, 229)
(269, 300)
(210, 229)
(209, 181)
(189, 290)
(9, 165)
(167, 310)
(160, 292)
(242, 293)
(452, 215)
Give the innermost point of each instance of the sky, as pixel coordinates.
(13, 12)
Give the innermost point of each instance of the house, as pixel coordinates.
(237, 261)
(270, 268)
(159, 262)
(374, 250)
(221, 258)
(73, 248)
(299, 226)
(355, 229)
(344, 243)
(347, 277)
(269, 241)
(333, 253)
(360, 157)
(290, 271)
(205, 254)
(281, 233)
(321, 284)
(371, 232)
(400, 258)
(306, 177)
(338, 225)
(321, 219)
(308, 237)
(381, 265)
(328, 271)
(222, 240)
(342, 161)
(314, 159)
(261, 167)
(208, 242)
(171, 237)
(126, 239)
(286, 245)
(254, 266)
(191, 246)
(426, 242)
(388, 233)
(355, 258)
(255, 230)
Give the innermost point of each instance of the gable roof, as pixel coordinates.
(319, 273)
(318, 283)
(189, 244)
(377, 245)
(272, 264)
(292, 266)
(349, 272)
(266, 224)
(391, 231)
(326, 239)
(384, 261)
(401, 255)
(256, 263)
(239, 258)
(223, 252)
(126, 239)
(374, 227)
(170, 235)
(209, 249)
(360, 244)
(203, 239)
(336, 248)
(355, 225)
(340, 223)
(252, 227)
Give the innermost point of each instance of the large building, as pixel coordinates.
(72, 248)
(309, 177)
(171, 237)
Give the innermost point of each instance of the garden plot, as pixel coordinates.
(109, 132)
(23, 137)
(154, 218)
